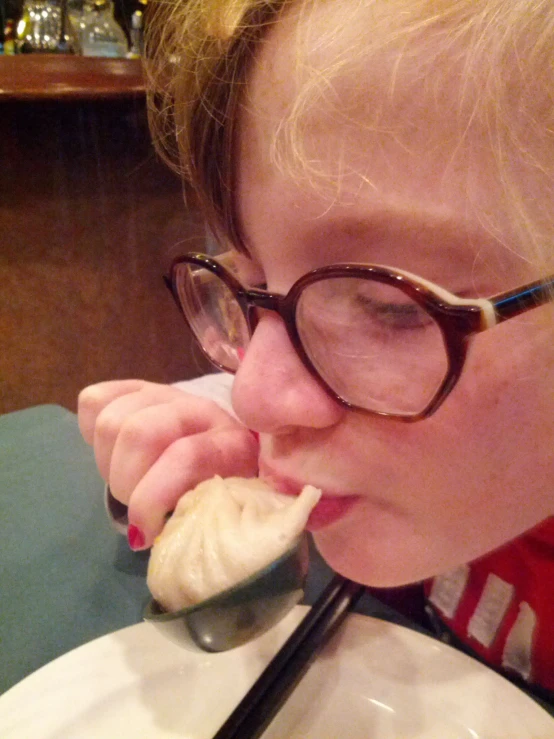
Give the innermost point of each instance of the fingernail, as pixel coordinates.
(135, 537)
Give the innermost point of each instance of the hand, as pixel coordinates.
(153, 443)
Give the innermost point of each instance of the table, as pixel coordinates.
(66, 576)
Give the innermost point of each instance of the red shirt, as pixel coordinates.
(502, 606)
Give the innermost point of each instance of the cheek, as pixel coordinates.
(474, 476)
(510, 374)
(503, 409)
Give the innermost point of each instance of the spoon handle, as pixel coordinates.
(270, 691)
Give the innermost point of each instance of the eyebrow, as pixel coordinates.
(402, 219)
(382, 228)
(368, 225)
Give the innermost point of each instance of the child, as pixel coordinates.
(415, 134)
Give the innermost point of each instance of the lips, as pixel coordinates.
(330, 508)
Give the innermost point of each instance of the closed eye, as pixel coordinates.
(395, 315)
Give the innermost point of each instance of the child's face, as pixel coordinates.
(413, 499)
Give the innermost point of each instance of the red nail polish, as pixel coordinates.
(135, 537)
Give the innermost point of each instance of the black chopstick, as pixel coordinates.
(270, 691)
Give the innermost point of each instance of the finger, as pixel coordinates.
(95, 398)
(223, 451)
(148, 432)
(112, 417)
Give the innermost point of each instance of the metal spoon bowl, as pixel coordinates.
(241, 613)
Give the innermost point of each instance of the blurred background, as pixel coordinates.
(15, 13)
(89, 217)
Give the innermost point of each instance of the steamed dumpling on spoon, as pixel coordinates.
(220, 533)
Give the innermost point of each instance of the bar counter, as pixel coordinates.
(89, 220)
(61, 77)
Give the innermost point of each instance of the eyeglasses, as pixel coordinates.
(379, 340)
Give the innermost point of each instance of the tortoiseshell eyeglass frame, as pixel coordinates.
(458, 318)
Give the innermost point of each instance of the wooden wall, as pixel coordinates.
(89, 220)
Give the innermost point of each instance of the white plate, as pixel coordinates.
(374, 680)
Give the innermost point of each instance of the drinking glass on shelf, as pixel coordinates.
(99, 32)
(40, 28)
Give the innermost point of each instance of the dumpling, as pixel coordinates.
(220, 533)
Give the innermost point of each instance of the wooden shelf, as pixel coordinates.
(68, 77)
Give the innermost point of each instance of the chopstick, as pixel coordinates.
(270, 691)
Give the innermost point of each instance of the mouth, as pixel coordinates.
(330, 508)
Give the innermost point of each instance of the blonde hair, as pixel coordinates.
(200, 53)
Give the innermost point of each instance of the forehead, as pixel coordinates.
(328, 113)
(322, 78)
(347, 129)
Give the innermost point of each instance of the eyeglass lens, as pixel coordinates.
(370, 342)
(214, 315)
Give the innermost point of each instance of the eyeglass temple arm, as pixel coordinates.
(169, 284)
(510, 304)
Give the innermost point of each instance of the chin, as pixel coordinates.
(381, 566)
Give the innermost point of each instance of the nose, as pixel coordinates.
(273, 391)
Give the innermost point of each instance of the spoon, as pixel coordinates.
(240, 613)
